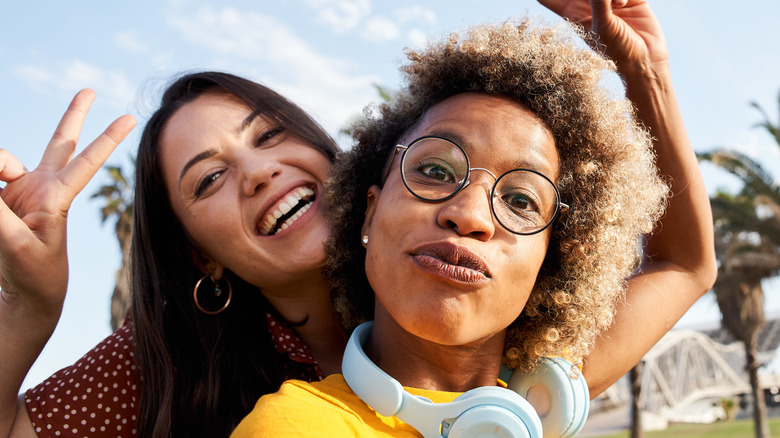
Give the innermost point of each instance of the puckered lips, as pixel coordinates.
(286, 211)
(451, 261)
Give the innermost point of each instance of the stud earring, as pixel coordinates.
(365, 239)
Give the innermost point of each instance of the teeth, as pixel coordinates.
(294, 217)
(284, 207)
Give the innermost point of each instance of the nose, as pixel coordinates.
(258, 170)
(469, 212)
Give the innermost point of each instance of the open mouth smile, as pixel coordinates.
(282, 215)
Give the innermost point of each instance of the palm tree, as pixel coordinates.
(118, 196)
(385, 94)
(635, 382)
(747, 241)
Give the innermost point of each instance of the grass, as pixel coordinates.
(721, 429)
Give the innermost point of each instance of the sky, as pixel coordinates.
(327, 56)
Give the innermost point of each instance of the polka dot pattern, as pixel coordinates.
(95, 397)
(98, 395)
(301, 365)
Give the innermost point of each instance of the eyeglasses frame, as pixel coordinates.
(560, 207)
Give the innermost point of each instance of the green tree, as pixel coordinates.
(118, 206)
(384, 93)
(747, 241)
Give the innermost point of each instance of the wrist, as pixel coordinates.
(647, 80)
(19, 306)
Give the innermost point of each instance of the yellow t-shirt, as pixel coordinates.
(325, 409)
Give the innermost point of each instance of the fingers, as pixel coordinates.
(553, 5)
(12, 232)
(10, 167)
(83, 167)
(63, 142)
(576, 11)
(601, 10)
(599, 7)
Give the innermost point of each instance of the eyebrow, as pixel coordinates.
(246, 123)
(195, 160)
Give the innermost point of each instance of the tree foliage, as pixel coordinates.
(747, 243)
(117, 196)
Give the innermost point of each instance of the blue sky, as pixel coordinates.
(326, 55)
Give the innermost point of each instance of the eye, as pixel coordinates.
(521, 202)
(436, 171)
(207, 182)
(270, 137)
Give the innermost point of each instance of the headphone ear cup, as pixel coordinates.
(496, 413)
(566, 391)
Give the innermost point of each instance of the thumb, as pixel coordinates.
(602, 12)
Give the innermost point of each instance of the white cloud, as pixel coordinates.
(130, 41)
(286, 61)
(252, 36)
(380, 30)
(417, 38)
(114, 89)
(340, 15)
(35, 76)
(415, 13)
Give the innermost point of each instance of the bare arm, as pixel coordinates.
(679, 265)
(33, 253)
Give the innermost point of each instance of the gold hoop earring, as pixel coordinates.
(216, 300)
(365, 239)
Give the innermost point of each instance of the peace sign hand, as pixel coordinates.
(34, 207)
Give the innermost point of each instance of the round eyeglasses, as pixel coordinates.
(435, 169)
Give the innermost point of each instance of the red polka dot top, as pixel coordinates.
(98, 395)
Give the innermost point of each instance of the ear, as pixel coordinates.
(373, 199)
(207, 265)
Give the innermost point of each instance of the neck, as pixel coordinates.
(419, 363)
(308, 306)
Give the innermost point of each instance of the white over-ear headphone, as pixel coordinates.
(479, 413)
(561, 387)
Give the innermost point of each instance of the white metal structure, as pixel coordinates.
(688, 366)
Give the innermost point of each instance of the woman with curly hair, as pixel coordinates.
(494, 213)
(176, 370)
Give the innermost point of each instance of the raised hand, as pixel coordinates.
(34, 207)
(682, 267)
(627, 30)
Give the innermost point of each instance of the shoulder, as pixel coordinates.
(328, 408)
(101, 388)
(325, 408)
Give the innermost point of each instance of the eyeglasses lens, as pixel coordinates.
(435, 169)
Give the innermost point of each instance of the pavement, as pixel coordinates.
(606, 423)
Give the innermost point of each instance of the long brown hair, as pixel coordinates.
(200, 374)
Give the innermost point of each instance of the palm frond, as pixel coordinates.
(773, 130)
(757, 181)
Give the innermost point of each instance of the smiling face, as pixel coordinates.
(246, 191)
(448, 272)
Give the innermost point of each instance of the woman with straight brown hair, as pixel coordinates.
(229, 160)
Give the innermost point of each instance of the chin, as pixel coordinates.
(451, 333)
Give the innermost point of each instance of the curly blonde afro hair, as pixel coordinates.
(607, 176)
